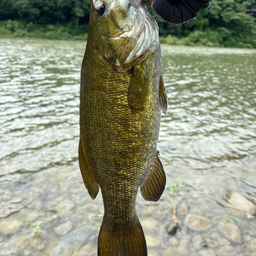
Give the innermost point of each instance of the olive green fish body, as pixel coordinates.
(120, 108)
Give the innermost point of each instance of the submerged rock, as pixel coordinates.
(199, 242)
(10, 226)
(152, 241)
(231, 232)
(239, 202)
(207, 252)
(71, 242)
(228, 251)
(196, 222)
(64, 228)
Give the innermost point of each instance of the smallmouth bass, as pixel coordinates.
(121, 97)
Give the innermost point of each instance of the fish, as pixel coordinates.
(122, 96)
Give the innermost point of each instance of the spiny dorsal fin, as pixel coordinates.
(154, 184)
(162, 95)
(89, 181)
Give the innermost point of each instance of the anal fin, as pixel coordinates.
(89, 181)
(154, 184)
(162, 95)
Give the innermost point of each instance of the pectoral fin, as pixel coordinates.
(154, 184)
(163, 96)
(138, 87)
(89, 181)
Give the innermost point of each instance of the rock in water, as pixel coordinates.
(71, 242)
(197, 223)
(241, 203)
(231, 232)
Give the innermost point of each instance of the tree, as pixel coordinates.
(75, 8)
(31, 8)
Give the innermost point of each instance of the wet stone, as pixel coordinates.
(249, 247)
(25, 178)
(199, 242)
(174, 241)
(196, 222)
(223, 241)
(64, 206)
(84, 250)
(152, 241)
(37, 243)
(64, 228)
(27, 253)
(172, 228)
(239, 202)
(9, 226)
(168, 252)
(182, 209)
(22, 242)
(181, 251)
(71, 242)
(149, 224)
(228, 251)
(231, 232)
(207, 252)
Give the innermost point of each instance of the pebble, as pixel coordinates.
(64, 228)
(149, 224)
(207, 252)
(71, 242)
(223, 241)
(174, 241)
(198, 242)
(231, 232)
(227, 251)
(22, 242)
(182, 209)
(64, 206)
(196, 222)
(9, 226)
(241, 203)
(37, 243)
(152, 241)
(181, 251)
(249, 247)
(167, 252)
(84, 250)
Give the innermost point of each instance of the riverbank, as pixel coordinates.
(19, 29)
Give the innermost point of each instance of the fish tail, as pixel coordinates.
(122, 241)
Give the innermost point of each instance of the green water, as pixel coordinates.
(207, 145)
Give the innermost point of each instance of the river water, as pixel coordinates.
(207, 145)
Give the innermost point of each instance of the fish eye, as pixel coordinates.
(101, 10)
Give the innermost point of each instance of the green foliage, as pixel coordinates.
(175, 186)
(30, 27)
(233, 219)
(225, 23)
(36, 230)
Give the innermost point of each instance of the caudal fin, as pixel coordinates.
(122, 241)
